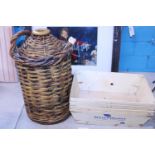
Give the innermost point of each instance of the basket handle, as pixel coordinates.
(15, 37)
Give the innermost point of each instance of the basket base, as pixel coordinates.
(50, 123)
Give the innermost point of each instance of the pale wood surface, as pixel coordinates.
(7, 67)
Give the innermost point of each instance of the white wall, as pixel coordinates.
(105, 47)
(37, 27)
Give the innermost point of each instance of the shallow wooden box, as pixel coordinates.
(115, 99)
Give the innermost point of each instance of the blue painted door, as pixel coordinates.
(137, 53)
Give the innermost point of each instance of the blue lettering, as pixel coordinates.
(109, 117)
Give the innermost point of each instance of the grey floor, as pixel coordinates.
(13, 114)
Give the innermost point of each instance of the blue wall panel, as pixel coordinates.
(137, 53)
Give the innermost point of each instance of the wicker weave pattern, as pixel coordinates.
(44, 69)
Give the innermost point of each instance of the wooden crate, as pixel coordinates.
(111, 99)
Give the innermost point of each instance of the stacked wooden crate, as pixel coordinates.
(114, 99)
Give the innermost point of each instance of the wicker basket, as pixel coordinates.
(44, 68)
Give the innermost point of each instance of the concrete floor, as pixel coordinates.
(13, 114)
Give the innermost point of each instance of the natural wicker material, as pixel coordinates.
(44, 68)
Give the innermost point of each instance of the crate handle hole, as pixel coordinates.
(80, 82)
(111, 83)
